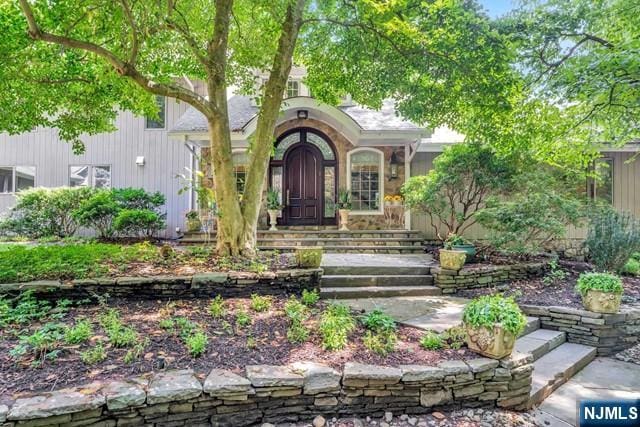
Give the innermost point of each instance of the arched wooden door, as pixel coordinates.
(303, 185)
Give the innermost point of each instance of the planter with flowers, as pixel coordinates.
(458, 243)
(344, 207)
(601, 292)
(274, 207)
(493, 323)
(451, 259)
(194, 224)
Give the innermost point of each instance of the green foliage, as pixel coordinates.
(603, 282)
(197, 343)
(632, 267)
(454, 240)
(336, 323)
(555, 275)
(297, 313)
(94, 355)
(260, 303)
(344, 199)
(24, 309)
(136, 351)
(42, 343)
(97, 212)
(273, 200)
(243, 319)
(309, 257)
(81, 332)
(217, 308)
(462, 179)
(167, 324)
(310, 297)
(119, 334)
(381, 343)
(454, 337)
(378, 321)
(612, 238)
(488, 310)
(138, 222)
(431, 341)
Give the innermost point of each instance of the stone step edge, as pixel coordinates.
(542, 345)
(378, 291)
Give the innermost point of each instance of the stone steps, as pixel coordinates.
(378, 291)
(533, 324)
(333, 270)
(349, 281)
(341, 241)
(353, 249)
(540, 342)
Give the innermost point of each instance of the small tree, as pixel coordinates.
(612, 239)
(462, 179)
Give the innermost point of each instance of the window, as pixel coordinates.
(240, 162)
(365, 179)
(293, 88)
(600, 188)
(153, 123)
(16, 178)
(90, 176)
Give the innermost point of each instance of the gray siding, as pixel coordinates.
(164, 158)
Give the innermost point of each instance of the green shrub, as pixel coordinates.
(119, 334)
(297, 314)
(488, 310)
(26, 308)
(431, 341)
(242, 319)
(612, 239)
(603, 282)
(555, 275)
(42, 343)
(454, 337)
(310, 297)
(138, 199)
(310, 257)
(136, 351)
(381, 343)
(94, 355)
(336, 323)
(167, 324)
(98, 212)
(378, 321)
(217, 308)
(632, 267)
(260, 303)
(197, 343)
(138, 223)
(79, 333)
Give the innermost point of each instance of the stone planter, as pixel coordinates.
(470, 250)
(396, 203)
(194, 225)
(344, 219)
(452, 260)
(601, 302)
(496, 343)
(309, 257)
(273, 218)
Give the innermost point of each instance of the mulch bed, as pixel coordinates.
(562, 293)
(166, 350)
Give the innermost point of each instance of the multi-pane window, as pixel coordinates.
(365, 180)
(600, 187)
(240, 162)
(90, 176)
(16, 178)
(293, 88)
(157, 123)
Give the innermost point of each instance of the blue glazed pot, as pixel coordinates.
(470, 250)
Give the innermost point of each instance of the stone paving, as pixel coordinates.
(377, 260)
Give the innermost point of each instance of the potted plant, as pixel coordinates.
(309, 256)
(194, 224)
(274, 207)
(388, 200)
(344, 207)
(451, 259)
(493, 323)
(601, 292)
(458, 243)
(396, 200)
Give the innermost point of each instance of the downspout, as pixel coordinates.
(192, 171)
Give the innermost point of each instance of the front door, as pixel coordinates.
(303, 186)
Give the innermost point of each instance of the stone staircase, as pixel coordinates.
(372, 281)
(286, 239)
(555, 360)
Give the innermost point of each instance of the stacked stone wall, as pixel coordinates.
(479, 276)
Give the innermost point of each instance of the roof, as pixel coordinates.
(242, 111)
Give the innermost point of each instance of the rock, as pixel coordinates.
(273, 376)
(325, 401)
(412, 421)
(318, 378)
(173, 385)
(221, 382)
(438, 415)
(433, 398)
(4, 410)
(268, 425)
(482, 364)
(381, 374)
(454, 367)
(404, 417)
(388, 416)
(357, 422)
(384, 424)
(55, 403)
(204, 279)
(319, 421)
(421, 373)
(123, 394)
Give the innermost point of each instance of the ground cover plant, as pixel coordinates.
(489, 310)
(603, 282)
(45, 345)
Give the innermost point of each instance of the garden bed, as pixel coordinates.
(154, 336)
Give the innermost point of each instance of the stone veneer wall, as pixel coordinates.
(278, 394)
(478, 276)
(170, 287)
(609, 333)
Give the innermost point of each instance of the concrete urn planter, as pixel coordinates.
(495, 343)
(601, 302)
(309, 256)
(194, 225)
(273, 218)
(452, 260)
(344, 219)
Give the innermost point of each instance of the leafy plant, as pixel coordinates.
(94, 355)
(242, 319)
(344, 199)
(260, 303)
(310, 297)
(612, 239)
(454, 240)
(197, 343)
(42, 343)
(381, 343)
(167, 324)
(273, 200)
(603, 282)
(136, 351)
(555, 275)
(138, 222)
(632, 267)
(81, 332)
(489, 310)
(119, 334)
(336, 323)
(97, 212)
(27, 309)
(431, 341)
(454, 337)
(378, 321)
(217, 308)
(297, 314)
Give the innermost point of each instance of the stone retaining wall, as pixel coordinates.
(609, 333)
(278, 394)
(482, 276)
(170, 287)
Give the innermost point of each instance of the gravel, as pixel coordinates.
(630, 355)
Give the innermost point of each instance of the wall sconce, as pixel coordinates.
(393, 166)
(140, 160)
(303, 114)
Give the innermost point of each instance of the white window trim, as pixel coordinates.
(13, 178)
(298, 82)
(91, 167)
(380, 210)
(165, 120)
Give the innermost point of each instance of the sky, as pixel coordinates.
(498, 7)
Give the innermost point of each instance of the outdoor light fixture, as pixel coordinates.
(303, 114)
(140, 160)
(393, 166)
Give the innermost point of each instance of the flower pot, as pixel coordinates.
(344, 219)
(495, 343)
(470, 250)
(601, 302)
(387, 203)
(396, 203)
(273, 218)
(194, 225)
(309, 257)
(452, 260)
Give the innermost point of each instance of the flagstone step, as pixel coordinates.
(352, 280)
(533, 324)
(556, 368)
(540, 342)
(383, 270)
(354, 249)
(378, 291)
(340, 241)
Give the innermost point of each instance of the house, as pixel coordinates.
(319, 150)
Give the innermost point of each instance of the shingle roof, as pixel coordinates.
(242, 110)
